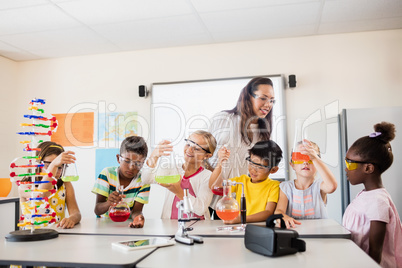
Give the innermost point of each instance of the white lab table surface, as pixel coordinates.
(227, 252)
(71, 250)
(320, 228)
(105, 226)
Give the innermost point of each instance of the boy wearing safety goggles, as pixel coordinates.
(305, 197)
(261, 193)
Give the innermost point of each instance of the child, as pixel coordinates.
(372, 217)
(133, 151)
(54, 159)
(305, 197)
(260, 191)
(199, 146)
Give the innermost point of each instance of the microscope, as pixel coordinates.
(185, 207)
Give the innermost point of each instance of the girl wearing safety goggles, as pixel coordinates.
(306, 197)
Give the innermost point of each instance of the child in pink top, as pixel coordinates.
(372, 217)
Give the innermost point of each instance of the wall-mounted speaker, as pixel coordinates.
(292, 81)
(142, 91)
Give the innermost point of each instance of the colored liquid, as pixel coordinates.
(217, 190)
(296, 156)
(119, 216)
(70, 178)
(167, 179)
(227, 214)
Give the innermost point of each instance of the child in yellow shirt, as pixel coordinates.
(260, 191)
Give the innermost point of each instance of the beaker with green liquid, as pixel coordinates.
(167, 171)
(70, 173)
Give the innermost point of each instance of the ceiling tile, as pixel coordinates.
(36, 18)
(16, 54)
(68, 38)
(172, 27)
(112, 11)
(21, 3)
(360, 26)
(71, 51)
(261, 18)
(269, 33)
(213, 6)
(357, 10)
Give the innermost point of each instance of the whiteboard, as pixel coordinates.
(180, 108)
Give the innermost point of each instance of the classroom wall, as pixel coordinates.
(8, 126)
(353, 70)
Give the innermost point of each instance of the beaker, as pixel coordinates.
(70, 173)
(120, 211)
(167, 171)
(300, 135)
(227, 207)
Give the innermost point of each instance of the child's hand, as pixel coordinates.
(163, 148)
(289, 222)
(66, 223)
(223, 154)
(174, 188)
(308, 149)
(63, 158)
(138, 222)
(115, 197)
(234, 221)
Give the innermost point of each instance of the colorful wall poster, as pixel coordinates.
(74, 129)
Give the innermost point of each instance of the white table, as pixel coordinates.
(321, 228)
(227, 252)
(71, 250)
(105, 226)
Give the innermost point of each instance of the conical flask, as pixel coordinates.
(120, 211)
(167, 171)
(300, 135)
(227, 207)
(70, 173)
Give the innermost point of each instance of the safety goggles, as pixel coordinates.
(298, 162)
(128, 162)
(352, 164)
(195, 146)
(257, 166)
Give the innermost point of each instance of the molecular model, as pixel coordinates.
(29, 166)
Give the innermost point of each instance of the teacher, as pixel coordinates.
(240, 128)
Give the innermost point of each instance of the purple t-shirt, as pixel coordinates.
(375, 205)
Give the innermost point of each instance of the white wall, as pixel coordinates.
(8, 125)
(357, 70)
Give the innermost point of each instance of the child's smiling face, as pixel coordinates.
(258, 169)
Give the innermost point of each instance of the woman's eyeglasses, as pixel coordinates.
(196, 147)
(137, 164)
(263, 99)
(352, 164)
(257, 166)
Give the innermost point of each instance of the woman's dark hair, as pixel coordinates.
(268, 151)
(134, 144)
(376, 148)
(244, 108)
(47, 148)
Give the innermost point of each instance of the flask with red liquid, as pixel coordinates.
(121, 211)
(227, 207)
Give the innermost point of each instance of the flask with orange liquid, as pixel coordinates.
(227, 207)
